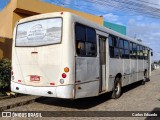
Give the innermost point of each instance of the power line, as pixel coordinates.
(149, 3)
(126, 6)
(130, 6)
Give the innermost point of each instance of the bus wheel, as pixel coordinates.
(117, 89)
(143, 82)
(145, 78)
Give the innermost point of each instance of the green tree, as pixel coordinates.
(5, 74)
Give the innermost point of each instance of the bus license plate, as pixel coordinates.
(34, 78)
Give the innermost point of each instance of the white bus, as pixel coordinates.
(65, 56)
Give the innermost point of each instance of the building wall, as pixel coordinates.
(6, 26)
(5, 47)
(118, 28)
(6, 17)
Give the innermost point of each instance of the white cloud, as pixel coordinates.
(111, 17)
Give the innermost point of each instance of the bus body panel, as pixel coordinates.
(133, 71)
(126, 72)
(88, 89)
(115, 66)
(42, 64)
(140, 70)
(66, 91)
(87, 71)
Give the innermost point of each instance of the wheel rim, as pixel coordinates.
(117, 89)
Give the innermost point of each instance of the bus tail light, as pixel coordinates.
(66, 69)
(64, 75)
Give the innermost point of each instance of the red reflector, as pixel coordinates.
(64, 75)
(79, 87)
(61, 13)
(34, 52)
(12, 73)
(52, 84)
(19, 80)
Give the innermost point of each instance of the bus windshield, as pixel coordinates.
(39, 32)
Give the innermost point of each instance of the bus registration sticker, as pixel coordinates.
(34, 78)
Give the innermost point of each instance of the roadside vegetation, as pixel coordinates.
(5, 75)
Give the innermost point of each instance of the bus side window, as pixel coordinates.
(113, 46)
(121, 46)
(91, 46)
(80, 36)
(126, 49)
(131, 50)
(86, 45)
(145, 53)
(134, 48)
(141, 52)
(138, 51)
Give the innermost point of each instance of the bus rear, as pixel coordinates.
(40, 63)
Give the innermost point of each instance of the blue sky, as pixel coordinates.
(138, 25)
(3, 3)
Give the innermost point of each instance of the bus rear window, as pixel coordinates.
(39, 32)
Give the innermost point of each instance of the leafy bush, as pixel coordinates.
(5, 74)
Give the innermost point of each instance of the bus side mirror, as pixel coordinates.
(151, 53)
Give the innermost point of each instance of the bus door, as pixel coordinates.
(147, 61)
(102, 61)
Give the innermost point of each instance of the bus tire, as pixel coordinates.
(117, 88)
(143, 82)
(145, 77)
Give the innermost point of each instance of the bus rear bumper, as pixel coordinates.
(66, 91)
